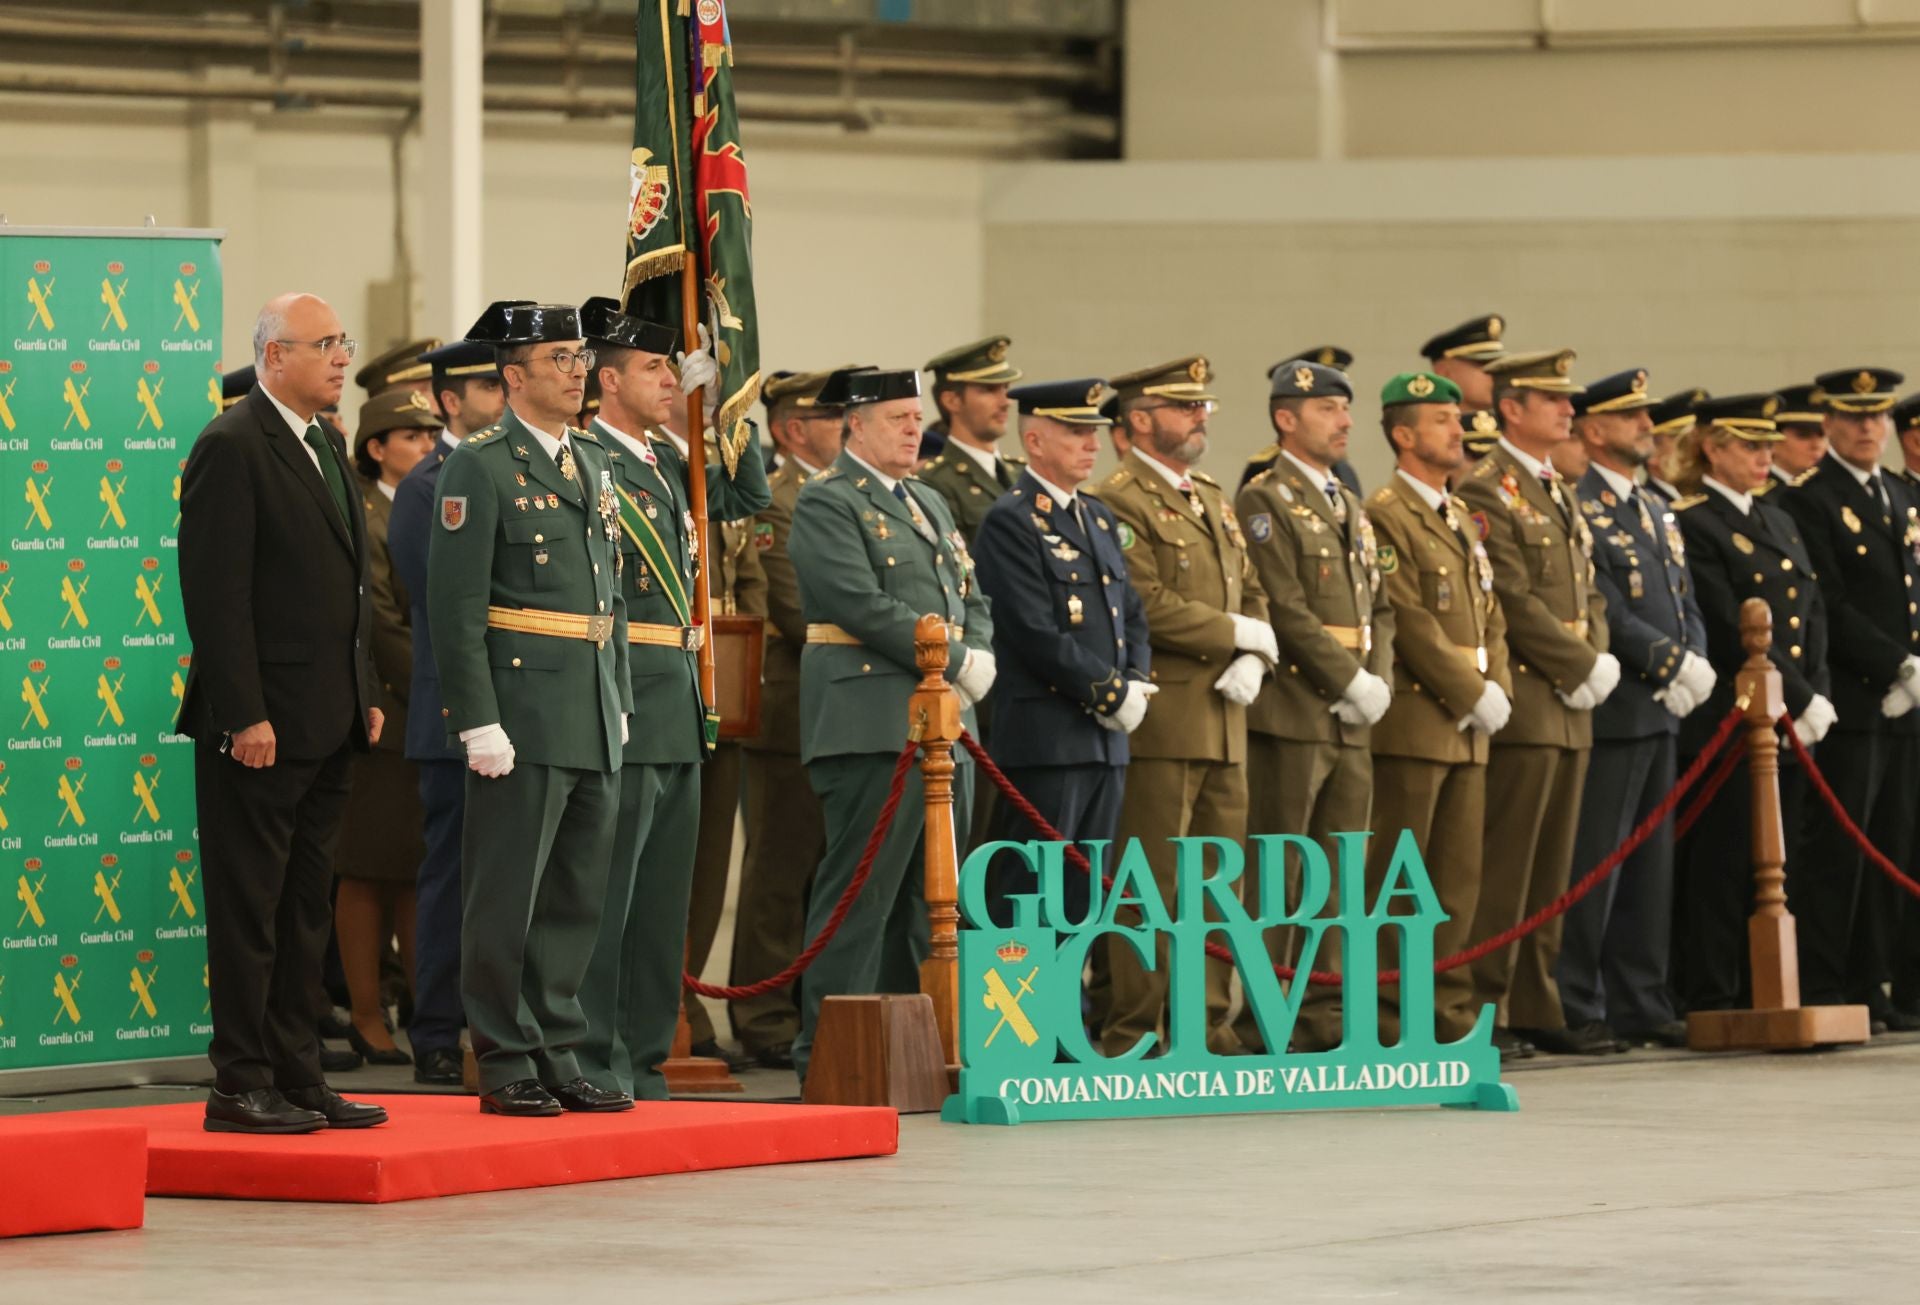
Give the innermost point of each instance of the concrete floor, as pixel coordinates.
(1641, 1179)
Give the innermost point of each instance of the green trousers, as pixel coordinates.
(885, 936)
(632, 990)
(534, 855)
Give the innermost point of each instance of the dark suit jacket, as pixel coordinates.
(274, 587)
(1650, 630)
(1068, 631)
(409, 531)
(1869, 571)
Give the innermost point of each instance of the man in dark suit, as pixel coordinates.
(1862, 543)
(1070, 637)
(467, 389)
(1612, 969)
(273, 580)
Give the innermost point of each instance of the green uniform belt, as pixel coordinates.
(596, 630)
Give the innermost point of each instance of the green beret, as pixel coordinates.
(1419, 387)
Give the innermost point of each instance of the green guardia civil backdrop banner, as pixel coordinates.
(108, 371)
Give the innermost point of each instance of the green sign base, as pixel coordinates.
(1024, 1051)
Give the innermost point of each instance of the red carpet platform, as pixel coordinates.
(71, 1173)
(443, 1145)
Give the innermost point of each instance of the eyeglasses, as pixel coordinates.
(326, 344)
(565, 360)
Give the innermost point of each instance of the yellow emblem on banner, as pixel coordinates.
(40, 300)
(67, 994)
(1004, 1000)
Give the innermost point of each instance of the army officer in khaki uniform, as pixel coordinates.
(1557, 638)
(1212, 646)
(875, 551)
(1308, 767)
(1450, 680)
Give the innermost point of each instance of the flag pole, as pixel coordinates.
(697, 477)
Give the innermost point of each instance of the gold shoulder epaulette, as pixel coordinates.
(1691, 500)
(1765, 487)
(1013, 460)
(1381, 497)
(1262, 477)
(1119, 477)
(588, 436)
(1203, 478)
(1267, 454)
(1804, 476)
(1487, 469)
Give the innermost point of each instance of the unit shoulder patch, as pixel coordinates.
(453, 511)
(1260, 526)
(1388, 559)
(1126, 535)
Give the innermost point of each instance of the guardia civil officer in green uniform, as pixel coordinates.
(875, 551)
(530, 634)
(632, 990)
(970, 392)
(1460, 355)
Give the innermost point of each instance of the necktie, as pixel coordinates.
(1001, 474)
(330, 471)
(1646, 517)
(1880, 492)
(1079, 518)
(1193, 498)
(1552, 483)
(1452, 519)
(566, 460)
(1339, 505)
(920, 523)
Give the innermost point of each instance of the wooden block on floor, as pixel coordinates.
(879, 1050)
(1790, 1028)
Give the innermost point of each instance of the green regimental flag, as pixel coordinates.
(688, 193)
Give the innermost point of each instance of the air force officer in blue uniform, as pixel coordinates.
(1070, 634)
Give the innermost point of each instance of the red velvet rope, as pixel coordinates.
(1874, 855)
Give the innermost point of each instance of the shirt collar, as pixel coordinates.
(1432, 497)
(1865, 478)
(449, 439)
(1064, 497)
(288, 415)
(1318, 479)
(384, 488)
(550, 444)
(882, 476)
(1167, 473)
(1742, 501)
(987, 459)
(1619, 484)
(1667, 487)
(807, 469)
(1533, 465)
(634, 444)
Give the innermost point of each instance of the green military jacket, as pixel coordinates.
(656, 523)
(1449, 637)
(1325, 599)
(1193, 575)
(1542, 558)
(968, 490)
(864, 569)
(786, 627)
(511, 532)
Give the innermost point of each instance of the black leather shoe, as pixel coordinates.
(439, 1068)
(1671, 1034)
(374, 1055)
(712, 1050)
(1589, 1039)
(1511, 1046)
(578, 1094)
(1903, 1021)
(338, 1111)
(777, 1056)
(262, 1110)
(335, 1061)
(522, 1097)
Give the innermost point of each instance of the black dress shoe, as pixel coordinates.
(777, 1056)
(1876, 1026)
(1673, 1033)
(263, 1110)
(1903, 1021)
(712, 1050)
(374, 1055)
(1512, 1046)
(1590, 1039)
(338, 1111)
(578, 1094)
(440, 1067)
(523, 1097)
(335, 1061)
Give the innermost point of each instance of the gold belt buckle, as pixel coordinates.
(599, 630)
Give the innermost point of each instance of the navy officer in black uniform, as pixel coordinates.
(1862, 539)
(1612, 969)
(1070, 635)
(1740, 547)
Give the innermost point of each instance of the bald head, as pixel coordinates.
(301, 352)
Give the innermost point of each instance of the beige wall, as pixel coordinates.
(866, 257)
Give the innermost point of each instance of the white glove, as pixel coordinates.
(698, 371)
(489, 751)
(1254, 636)
(1366, 699)
(1697, 673)
(1904, 696)
(1677, 698)
(1126, 718)
(1489, 715)
(1600, 681)
(626, 729)
(975, 676)
(1815, 721)
(1240, 682)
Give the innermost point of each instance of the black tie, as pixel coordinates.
(1001, 474)
(1880, 492)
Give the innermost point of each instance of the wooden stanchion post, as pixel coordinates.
(935, 715)
(1777, 1022)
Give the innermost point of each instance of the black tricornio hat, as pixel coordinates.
(851, 386)
(602, 322)
(522, 321)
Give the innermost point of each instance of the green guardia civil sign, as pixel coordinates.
(109, 370)
(1024, 1051)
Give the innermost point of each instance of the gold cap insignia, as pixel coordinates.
(1494, 327)
(1420, 387)
(1639, 382)
(1484, 422)
(1563, 365)
(1093, 395)
(1863, 383)
(418, 401)
(1303, 378)
(1200, 372)
(1324, 357)
(1771, 406)
(997, 351)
